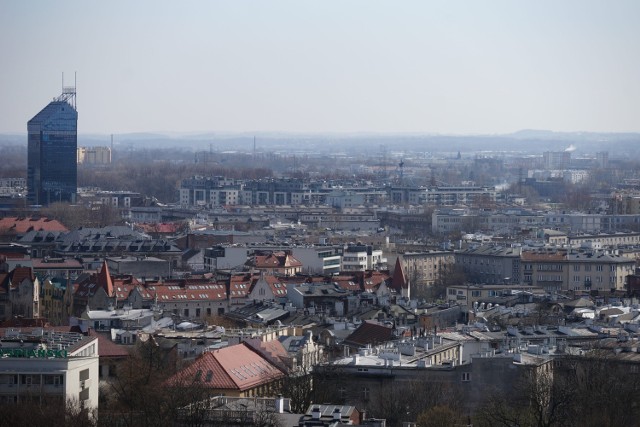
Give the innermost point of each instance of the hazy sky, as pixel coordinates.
(446, 66)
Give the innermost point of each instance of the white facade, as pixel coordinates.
(45, 364)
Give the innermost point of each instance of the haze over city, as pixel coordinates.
(320, 67)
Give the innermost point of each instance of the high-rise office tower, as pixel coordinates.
(52, 171)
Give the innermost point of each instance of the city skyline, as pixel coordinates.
(303, 67)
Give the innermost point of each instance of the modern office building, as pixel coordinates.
(48, 365)
(52, 171)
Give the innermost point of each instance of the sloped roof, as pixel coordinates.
(104, 279)
(21, 225)
(240, 285)
(16, 276)
(277, 259)
(370, 332)
(235, 367)
(399, 281)
(211, 291)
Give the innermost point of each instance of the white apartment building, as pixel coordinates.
(47, 365)
(361, 258)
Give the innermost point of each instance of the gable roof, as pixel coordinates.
(235, 367)
(277, 259)
(370, 332)
(11, 280)
(21, 225)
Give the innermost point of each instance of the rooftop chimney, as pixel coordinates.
(336, 414)
(279, 404)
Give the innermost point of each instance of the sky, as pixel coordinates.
(448, 67)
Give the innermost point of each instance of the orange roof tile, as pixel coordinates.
(235, 367)
(22, 225)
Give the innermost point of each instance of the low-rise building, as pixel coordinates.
(49, 366)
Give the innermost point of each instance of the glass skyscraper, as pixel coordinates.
(52, 171)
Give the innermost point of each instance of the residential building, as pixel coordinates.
(94, 155)
(490, 264)
(275, 262)
(424, 268)
(19, 294)
(52, 172)
(475, 295)
(556, 159)
(576, 270)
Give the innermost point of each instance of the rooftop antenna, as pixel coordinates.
(68, 93)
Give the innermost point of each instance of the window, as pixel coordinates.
(475, 293)
(365, 393)
(466, 376)
(343, 392)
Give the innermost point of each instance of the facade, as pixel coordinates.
(489, 295)
(19, 294)
(52, 171)
(490, 264)
(94, 155)
(49, 366)
(556, 159)
(362, 258)
(444, 221)
(425, 268)
(576, 270)
(442, 196)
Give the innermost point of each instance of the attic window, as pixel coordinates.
(209, 376)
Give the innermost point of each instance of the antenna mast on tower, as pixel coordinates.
(68, 92)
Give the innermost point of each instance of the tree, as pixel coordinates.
(440, 416)
(47, 411)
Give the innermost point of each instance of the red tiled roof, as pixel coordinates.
(107, 348)
(235, 367)
(278, 259)
(17, 276)
(240, 285)
(104, 279)
(66, 263)
(210, 291)
(22, 225)
(347, 283)
(161, 227)
(279, 289)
